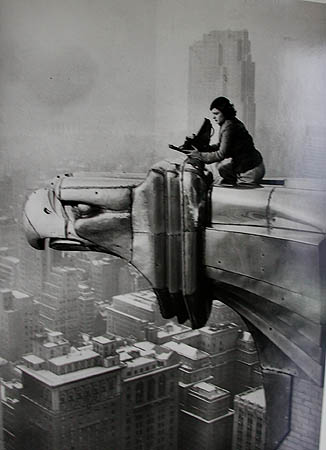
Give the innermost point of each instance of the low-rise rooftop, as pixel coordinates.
(209, 391)
(186, 350)
(73, 357)
(255, 396)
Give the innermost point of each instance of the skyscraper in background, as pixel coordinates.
(59, 307)
(18, 323)
(221, 65)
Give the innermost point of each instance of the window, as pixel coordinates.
(139, 392)
(161, 385)
(151, 389)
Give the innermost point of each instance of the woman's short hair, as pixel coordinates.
(224, 105)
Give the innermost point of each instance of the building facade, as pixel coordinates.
(206, 418)
(12, 414)
(234, 362)
(18, 323)
(130, 314)
(249, 426)
(59, 302)
(76, 399)
(9, 272)
(86, 308)
(105, 277)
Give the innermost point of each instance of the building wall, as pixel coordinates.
(33, 267)
(249, 426)
(306, 409)
(150, 409)
(205, 419)
(18, 323)
(59, 302)
(82, 414)
(125, 325)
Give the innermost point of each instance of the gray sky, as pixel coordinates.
(78, 76)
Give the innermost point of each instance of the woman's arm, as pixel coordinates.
(218, 151)
(222, 150)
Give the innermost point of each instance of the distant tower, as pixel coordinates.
(18, 323)
(105, 277)
(220, 65)
(33, 267)
(86, 307)
(59, 302)
(9, 272)
(130, 314)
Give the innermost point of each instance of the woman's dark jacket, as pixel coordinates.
(235, 142)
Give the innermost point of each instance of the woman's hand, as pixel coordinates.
(195, 154)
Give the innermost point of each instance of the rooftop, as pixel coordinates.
(101, 340)
(19, 294)
(50, 344)
(211, 329)
(171, 328)
(145, 346)
(186, 350)
(187, 334)
(256, 396)
(209, 391)
(53, 380)
(12, 259)
(33, 359)
(54, 333)
(247, 337)
(143, 301)
(140, 361)
(73, 357)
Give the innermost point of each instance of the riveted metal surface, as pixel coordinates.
(166, 217)
(298, 209)
(190, 274)
(291, 265)
(173, 219)
(240, 206)
(272, 207)
(304, 306)
(300, 331)
(116, 199)
(148, 205)
(43, 217)
(107, 230)
(149, 229)
(293, 345)
(96, 181)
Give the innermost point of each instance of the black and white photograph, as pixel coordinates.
(162, 224)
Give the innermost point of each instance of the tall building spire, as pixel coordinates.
(220, 65)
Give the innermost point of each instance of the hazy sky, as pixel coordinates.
(78, 76)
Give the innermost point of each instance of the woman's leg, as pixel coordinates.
(227, 171)
(253, 176)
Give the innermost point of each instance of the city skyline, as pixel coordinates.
(57, 373)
